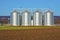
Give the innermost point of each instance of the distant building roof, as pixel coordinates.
(57, 19)
(4, 16)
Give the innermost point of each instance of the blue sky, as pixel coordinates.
(6, 6)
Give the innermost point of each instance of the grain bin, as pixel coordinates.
(49, 18)
(20, 19)
(14, 18)
(26, 18)
(31, 20)
(37, 18)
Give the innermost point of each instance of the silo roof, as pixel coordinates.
(26, 11)
(37, 11)
(15, 11)
(48, 11)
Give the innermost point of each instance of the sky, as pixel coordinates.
(6, 6)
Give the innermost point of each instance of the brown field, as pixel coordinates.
(31, 34)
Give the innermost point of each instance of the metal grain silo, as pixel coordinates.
(32, 20)
(20, 20)
(14, 18)
(49, 18)
(37, 18)
(26, 18)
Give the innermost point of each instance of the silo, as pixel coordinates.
(20, 20)
(32, 20)
(37, 18)
(26, 18)
(14, 18)
(49, 18)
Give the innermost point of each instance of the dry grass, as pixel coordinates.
(25, 27)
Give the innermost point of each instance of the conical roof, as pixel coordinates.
(48, 11)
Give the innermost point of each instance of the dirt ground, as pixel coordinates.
(31, 34)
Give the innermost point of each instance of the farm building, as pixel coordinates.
(4, 20)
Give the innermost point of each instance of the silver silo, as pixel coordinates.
(26, 18)
(14, 18)
(49, 18)
(20, 20)
(31, 20)
(37, 18)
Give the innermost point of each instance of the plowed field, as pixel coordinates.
(31, 34)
